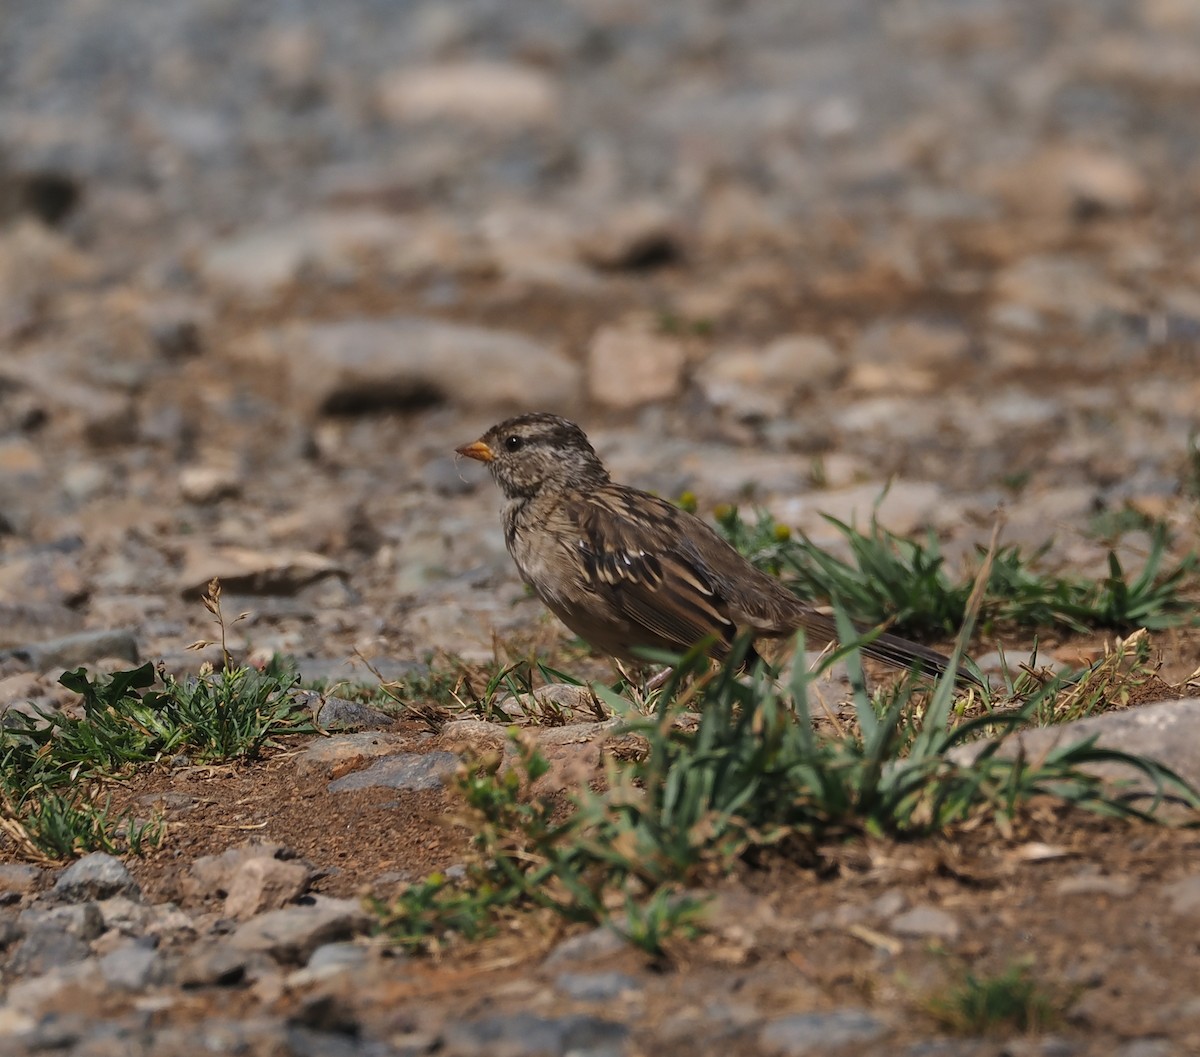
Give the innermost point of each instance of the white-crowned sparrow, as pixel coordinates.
(623, 568)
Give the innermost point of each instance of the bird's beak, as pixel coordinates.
(478, 451)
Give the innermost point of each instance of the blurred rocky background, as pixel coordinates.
(263, 265)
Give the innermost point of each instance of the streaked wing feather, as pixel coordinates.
(656, 585)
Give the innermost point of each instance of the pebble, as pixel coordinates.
(258, 265)
(18, 879)
(596, 987)
(291, 935)
(82, 920)
(215, 965)
(820, 1033)
(492, 96)
(636, 235)
(264, 883)
(84, 647)
(254, 572)
(45, 949)
(95, 876)
(924, 922)
(339, 755)
(629, 365)
(528, 1035)
(406, 362)
(430, 770)
(1182, 897)
(586, 947)
(209, 484)
(132, 967)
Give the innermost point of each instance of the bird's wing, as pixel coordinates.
(635, 554)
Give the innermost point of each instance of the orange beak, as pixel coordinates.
(478, 451)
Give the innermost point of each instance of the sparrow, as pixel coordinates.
(625, 569)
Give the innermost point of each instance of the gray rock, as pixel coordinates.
(259, 264)
(409, 361)
(1147, 1047)
(83, 920)
(636, 235)
(132, 967)
(342, 955)
(10, 931)
(18, 879)
(1168, 732)
(927, 923)
(587, 946)
(596, 987)
(820, 1033)
(1089, 884)
(407, 770)
(292, 934)
(346, 752)
(70, 651)
(253, 572)
(212, 875)
(216, 965)
(528, 1035)
(95, 876)
(44, 949)
(336, 713)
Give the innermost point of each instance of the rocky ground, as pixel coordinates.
(263, 266)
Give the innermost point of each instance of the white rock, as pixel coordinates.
(1071, 181)
(207, 484)
(762, 382)
(264, 883)
(912, 343)
(403, 360)
(1062, 286)
(258, 264)
(629, 366)
(488, 94)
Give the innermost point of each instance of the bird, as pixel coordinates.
(626, 570)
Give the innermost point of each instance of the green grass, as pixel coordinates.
(905, 582)
(55, 767)
(999, 1005)
(747, 770)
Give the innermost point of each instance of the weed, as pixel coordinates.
(1011, 1001)
(903, 583)
(53, 765)
(749, 772)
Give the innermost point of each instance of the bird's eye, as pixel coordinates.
(513, 443)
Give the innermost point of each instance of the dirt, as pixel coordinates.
(1076, 898)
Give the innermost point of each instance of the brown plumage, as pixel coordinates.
(624, 569)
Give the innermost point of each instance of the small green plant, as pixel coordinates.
(747, 771)
(54, 765)
(1001, 1004)
(904, 583)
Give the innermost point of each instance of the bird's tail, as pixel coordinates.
(892, 650)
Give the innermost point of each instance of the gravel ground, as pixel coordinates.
(262, 266)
